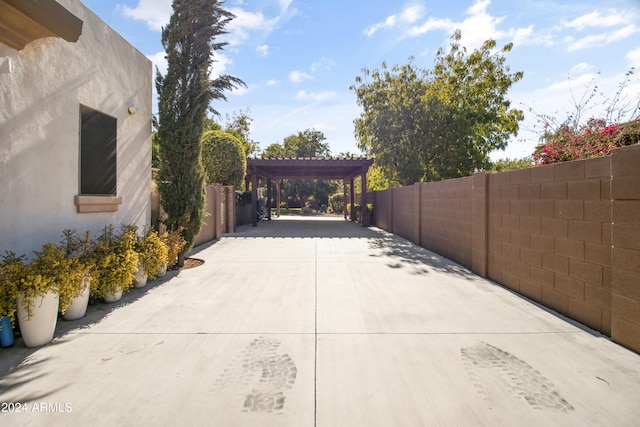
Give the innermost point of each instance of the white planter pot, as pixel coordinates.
(140, 278)
(38, 329)
(163, 270)
(78, 307)
(113, 297)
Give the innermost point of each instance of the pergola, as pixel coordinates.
(277, 169)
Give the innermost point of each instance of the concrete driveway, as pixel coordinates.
(320, 322)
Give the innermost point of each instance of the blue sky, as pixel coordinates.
(299, 57)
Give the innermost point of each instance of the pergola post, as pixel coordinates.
(352, 200)
(269, 199)
(278, 198)
(254, 199)
(344, 198)
(364, 219)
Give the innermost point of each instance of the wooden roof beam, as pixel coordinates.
(23, 21)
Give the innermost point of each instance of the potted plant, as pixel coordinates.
(116, 263)
(8, 296)
(75, 282)
(140, 275)
(153, 254)
(37, 301)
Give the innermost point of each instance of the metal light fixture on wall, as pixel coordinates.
(132, 110)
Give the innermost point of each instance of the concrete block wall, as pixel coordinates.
(565, 235)
(549, 237)
(625, 279)
(405, 221)
(382, 209)
(446, 218)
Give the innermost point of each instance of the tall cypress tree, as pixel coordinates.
(184, 97)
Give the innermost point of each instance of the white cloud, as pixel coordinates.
(634, 58)
(478, 26)
(596, 19)
(219, 65)
(315, 96)
(408, 16)
(263, 50)
(245, 22)
(571, 84)
(323, 64)
(412, 14)
(299, 76)
(240, 91)
(580, 68)
(520, 36)
(602, 39)
(155, 13)
(273, 82)
(432, 24)
(284, 4)
(561, 98)
(159, 61)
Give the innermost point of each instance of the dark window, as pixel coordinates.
(97, 152)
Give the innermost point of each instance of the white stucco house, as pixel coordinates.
(75, 124)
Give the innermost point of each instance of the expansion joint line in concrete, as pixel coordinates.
(315, 326)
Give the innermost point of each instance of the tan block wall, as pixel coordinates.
(549, 237)
(565, 235)
(404, 217)
(446, 218)
(625, 280)
(382, 209)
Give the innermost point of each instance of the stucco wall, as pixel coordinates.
(41, 90)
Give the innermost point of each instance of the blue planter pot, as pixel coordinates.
(6, 333)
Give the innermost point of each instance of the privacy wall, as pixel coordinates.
(219, 212)
(565, 235)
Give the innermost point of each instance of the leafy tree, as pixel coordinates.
(505, 165)
(307, 143)
(185, 94)
(239, 125)
(209, 124)
(427, 125)
(275, 150)
(377, 180)
(223, 158)
(155, 151)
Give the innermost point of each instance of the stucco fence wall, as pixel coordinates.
(219, 212)
(565, 235)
